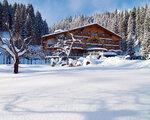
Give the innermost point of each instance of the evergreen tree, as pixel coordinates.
(115, 26)
(24, 32)
(5, 14)
(1, 9)
(146, 38)
(138, 22)
(45, 29)
(30, 23)
(120, 24)
(10, 16)
(141, 13)
(23, 15)
(17, 20)
(38, 27)
(125, 24)
(22, 20)
(131, 33)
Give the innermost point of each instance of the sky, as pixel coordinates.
(55, 10)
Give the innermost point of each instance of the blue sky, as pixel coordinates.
(54, 10)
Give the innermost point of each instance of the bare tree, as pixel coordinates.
(14, 49)
(64, 46)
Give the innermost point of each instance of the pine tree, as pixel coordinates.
(125, 23)
(122, 32)
(30, 23)
(138, 22)
(131, 33)
(24, 32)
(120, 24)
(5, 14)
(141, 13)
(38, 27)
(123, 27)
(23, 15)
(1, 9)
(146, 38)
(115, 26)
(17, 20)
(45, 29)
(10, 16)
(22, 20)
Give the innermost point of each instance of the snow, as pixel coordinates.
(8, 49)
(97, 48)
(114, 89)
(110, 53)
(58, 31)
(22, 52)
(5, 35)
(34, 47)
(62, 31)
(80, 48)
(137, 47)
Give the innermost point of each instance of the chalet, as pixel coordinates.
(93, 37)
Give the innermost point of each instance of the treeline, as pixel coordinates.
(133, 25)
(23, 20)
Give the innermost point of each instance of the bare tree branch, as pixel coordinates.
(12, 48)
(24, 44)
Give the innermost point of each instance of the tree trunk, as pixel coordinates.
(69, 53)
(16, 64)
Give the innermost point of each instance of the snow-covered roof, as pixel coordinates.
(111, 45)
(80, 48)
(58, 31)
(109, 53)
(80, 28)
(97, 48)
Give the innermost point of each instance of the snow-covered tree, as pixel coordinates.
(38, 27)
(34, 52)
(123, 24)
(13, 49)
(1, 23)
(131, 33)
(45, 28)
(23, 19)
(64, 46)
(141, 14)
(146, 38)
(115, 25)
(30, 22)
(5, 14)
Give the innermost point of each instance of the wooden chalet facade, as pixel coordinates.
(93, 37)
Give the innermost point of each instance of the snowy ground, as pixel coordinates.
(99, 92)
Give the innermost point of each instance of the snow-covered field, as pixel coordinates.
(112, 90)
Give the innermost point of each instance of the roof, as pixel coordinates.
(53, 34)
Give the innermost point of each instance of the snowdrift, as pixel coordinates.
(114, 62)
(106, 89)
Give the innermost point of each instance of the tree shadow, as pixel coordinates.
(103, 111)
